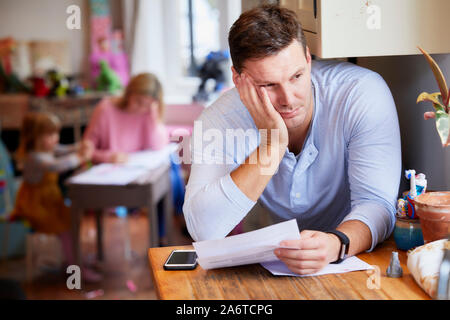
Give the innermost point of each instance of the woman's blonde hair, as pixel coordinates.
(34, 125)
(144, 84)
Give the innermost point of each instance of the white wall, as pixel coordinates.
(407, 77)
(46, 20)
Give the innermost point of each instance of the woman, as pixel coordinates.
(133, 123)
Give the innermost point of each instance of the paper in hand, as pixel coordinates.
(247, 248)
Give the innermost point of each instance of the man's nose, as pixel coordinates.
(285, 96)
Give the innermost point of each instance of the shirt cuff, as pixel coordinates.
(235, 195)
(377, 217)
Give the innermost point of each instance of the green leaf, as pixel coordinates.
(442, 124)
(437, 74)
(432, 97)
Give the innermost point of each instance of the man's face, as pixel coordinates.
(287, 78)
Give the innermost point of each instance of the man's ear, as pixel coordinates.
(236, 76)
(308, 56)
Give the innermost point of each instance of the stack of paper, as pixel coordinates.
(278, 268)
(258, 247)
(122, 174)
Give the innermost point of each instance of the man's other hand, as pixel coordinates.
(316, 249)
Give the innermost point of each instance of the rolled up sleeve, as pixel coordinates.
(213, 204)
(374, 157)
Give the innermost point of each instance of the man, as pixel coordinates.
(331, 129)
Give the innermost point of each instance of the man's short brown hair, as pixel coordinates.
(263, 31)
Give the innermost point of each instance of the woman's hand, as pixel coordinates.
(154, 111)
(86, 150)
(118, 157)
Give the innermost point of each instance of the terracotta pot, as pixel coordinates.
(433, 209)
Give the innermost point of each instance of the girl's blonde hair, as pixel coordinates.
(144, 84)
(34, 125)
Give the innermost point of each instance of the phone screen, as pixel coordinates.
(183, 257)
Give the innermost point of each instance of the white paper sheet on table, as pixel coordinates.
(122, 174)
(251, 247)
(278, 268)
(151, 159)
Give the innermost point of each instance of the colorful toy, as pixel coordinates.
(59, 82)
(108, 80)
(40, 88)
(405, 205)
(9, 82)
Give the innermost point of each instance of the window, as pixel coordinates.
(199, 32)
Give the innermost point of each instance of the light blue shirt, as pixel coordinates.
(349, 167)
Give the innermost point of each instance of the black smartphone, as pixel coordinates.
(181, 260)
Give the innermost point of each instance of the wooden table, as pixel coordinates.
(255, 282)
(146, 191)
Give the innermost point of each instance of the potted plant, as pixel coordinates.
(433, 208)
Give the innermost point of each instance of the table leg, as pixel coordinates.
(99, 220)
(168, 216)
(75, 230)
(153, 224)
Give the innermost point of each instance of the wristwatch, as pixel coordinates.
(345, 244)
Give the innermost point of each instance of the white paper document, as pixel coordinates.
(251, 247)
(151, 159)
(108, 174)
(278, 268)
(122, 174)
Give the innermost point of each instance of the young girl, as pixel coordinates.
(39, 199)
(134, 123)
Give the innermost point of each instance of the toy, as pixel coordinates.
(405, 205)
(115, 58)
(211, 69)
(40, 88)
(9, 82)
(59, 82)
(75, 89)
(108, 80)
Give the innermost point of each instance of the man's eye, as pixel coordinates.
(267, 85)
(297, 76)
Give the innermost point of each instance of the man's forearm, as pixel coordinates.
(359, 235)
(254, 174)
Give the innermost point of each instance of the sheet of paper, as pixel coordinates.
(122, 174)
(108, 174)
(251, 247)
(278, 268)
(151, 159)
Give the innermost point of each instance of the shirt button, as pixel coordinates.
(297, 195)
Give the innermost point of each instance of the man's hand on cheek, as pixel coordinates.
(258, 104)
(315, 250)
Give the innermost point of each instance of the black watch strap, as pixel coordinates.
(345, 244)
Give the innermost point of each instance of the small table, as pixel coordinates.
(255, 282)
(146, 191)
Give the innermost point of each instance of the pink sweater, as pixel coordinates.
(114, 130)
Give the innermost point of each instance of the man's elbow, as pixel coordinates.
(199, 230)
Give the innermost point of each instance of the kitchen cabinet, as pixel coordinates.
(363, 28)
